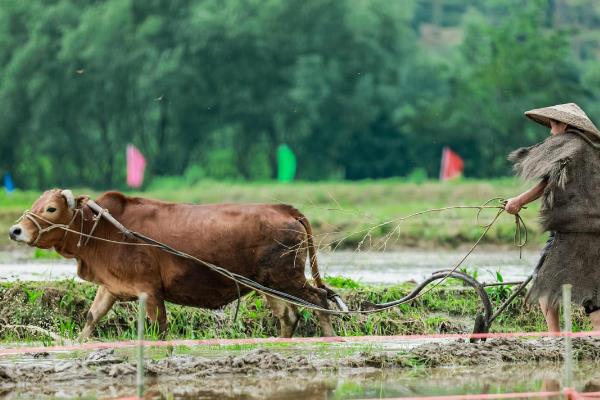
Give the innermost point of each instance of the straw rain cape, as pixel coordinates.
(570, 162)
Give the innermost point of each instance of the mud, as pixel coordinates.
(105, 363)
(491, 352)
(105, 373)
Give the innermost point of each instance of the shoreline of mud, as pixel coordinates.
(105, 370)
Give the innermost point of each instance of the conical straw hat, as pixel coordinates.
(569, 113)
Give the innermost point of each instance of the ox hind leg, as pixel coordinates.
(103, 302)
(287, 315)
(319, 297)
(324, 318)
(157, 313)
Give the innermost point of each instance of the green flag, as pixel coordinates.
(286, 164)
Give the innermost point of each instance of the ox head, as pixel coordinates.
(54, 207)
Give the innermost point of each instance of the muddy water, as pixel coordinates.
(365, 267)
(306, 373)
(400, 266)
(315, 385)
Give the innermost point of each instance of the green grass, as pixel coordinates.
(348, 208)
(42, 254)
(61, 308)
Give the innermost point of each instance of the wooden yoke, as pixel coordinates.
(103, 213)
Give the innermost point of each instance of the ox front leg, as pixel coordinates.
(157, 313)
(287, 315)
(103, 302)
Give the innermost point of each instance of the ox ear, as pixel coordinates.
(68, 195)
(81, 200)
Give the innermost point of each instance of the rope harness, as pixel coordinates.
(238, 279)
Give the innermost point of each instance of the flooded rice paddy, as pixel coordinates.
(304, 372)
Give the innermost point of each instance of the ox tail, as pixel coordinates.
(314, 267)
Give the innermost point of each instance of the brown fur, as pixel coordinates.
(249, 239)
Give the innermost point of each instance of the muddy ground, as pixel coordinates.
(108, 374)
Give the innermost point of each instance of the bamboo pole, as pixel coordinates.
(140, 349)
(568, 328)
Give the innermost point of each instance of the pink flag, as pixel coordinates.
(452, 165)
(136, 163)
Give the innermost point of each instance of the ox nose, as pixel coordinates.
(14, 232)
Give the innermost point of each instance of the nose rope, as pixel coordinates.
(51, 226)
(40, 231)
(28, 214)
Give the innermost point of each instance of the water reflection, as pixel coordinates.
(346, 384)
(376, 384)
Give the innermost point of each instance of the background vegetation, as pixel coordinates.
(209, 89)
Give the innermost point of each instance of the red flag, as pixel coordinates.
(452, 165)
(136, 164)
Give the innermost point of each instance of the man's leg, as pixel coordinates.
(550, 314)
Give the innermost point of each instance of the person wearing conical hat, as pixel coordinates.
(567, 166)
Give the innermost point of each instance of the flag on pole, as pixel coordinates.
(136, 164)
(286, 164)
(452, 165)
(9, 186)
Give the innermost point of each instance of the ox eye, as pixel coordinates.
(51, 209)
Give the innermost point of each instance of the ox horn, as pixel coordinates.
(68, 195)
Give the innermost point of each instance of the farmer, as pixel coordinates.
(567, 165)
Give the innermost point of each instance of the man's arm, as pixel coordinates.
(514, 205)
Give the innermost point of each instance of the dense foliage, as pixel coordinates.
(209, 89)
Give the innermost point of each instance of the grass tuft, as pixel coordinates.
(61, 306)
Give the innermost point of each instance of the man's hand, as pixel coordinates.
(513, 206)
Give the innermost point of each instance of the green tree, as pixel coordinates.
(506, 66)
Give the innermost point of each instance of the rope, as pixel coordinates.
(402, 219)
(246, 282)
(458, 264)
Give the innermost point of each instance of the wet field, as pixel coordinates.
(357, 370)
(300, 372)
(364, 267)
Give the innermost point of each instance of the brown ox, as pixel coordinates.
(249, 239)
